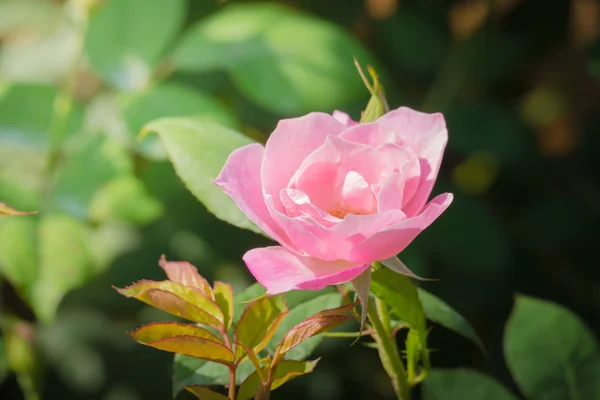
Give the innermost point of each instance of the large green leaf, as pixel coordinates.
(171, 100)
(188, 371)
(283, 60)
(550, 352)
(198, 149)
(18, 252)
(126, 38)
(463, 384)
(438, 311)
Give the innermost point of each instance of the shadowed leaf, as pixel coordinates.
(462, 384)
(204, 393)
(190, 340)
(286, 371)
(182, 301)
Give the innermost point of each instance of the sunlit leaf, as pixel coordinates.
(550, 352)
(304, 304)
(438, 311)
(185, 274)
(190, 371)
(204, 393)
(258, 323)
(7, 210)
(224, 298)
(462, 384)
(189, 340)
(307, 62)
(313, 325)
(182, 301)
(286, 371)
(198, 150)
(126, 38)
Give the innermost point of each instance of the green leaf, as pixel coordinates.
(400, 293)
(65, 262)
(126, 38)
(550, 352)
(362, 285)
(224, 298)
(307, 62)
(171, 100)
(258, 323)
(438, 311)
(299, 313)
(125, 199)
(186, 274)
(461, 384)
(198, 149)
(18, 253)
(189, 340)
(85, 171)
(190, 371)
(182, 301)
(204, 393)
(285, 372)
(313, 325)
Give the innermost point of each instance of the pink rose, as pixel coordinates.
(337, 195)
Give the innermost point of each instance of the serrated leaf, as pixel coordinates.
(550, 352)
(438, 311)
(224, 298)
(182, 301)
(126, 38)
(184, 273)
(400, 292)
(462, 384)
(5, 209)
(304, 304)
(285, 372)
(258, 323)
(198, 150)
(189, 340)
(204, 393)
(313, 325)
(307, 62)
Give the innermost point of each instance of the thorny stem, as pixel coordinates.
(388, 353)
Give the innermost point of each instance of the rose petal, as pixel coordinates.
(343, 118)
(279, 271)
(289, 144)
(298, 204)
(357, 196)
(427, 135)
(240, 180)
(395, 238)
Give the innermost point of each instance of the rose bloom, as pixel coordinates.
(336, 195)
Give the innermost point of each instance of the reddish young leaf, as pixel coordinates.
(6, 210)
(223, 293)
(186, 274)
(285, 371)
(190, 340)
(258, 323)
(182, 301)
(318, 323)
(204, 393)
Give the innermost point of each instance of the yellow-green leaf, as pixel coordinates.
(190, 340)
(182, 301)
(185, 274)
(258, 323)
(204, 393)
(223, 293)
(7, 210)
(319, 322)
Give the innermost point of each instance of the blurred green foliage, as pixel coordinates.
(517, 80)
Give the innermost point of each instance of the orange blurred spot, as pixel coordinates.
(381, 9)
(558, 138)
(585, 22)
(467, 17)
